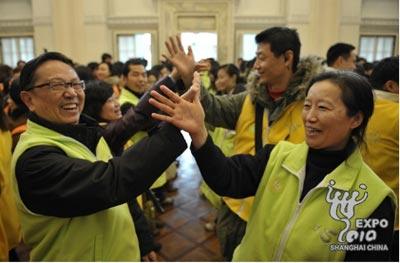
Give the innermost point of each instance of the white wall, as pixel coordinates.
(83, 29)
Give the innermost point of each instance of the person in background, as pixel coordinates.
(17, 114)
(228, 80)
(93, 66)
(227, 83)
(381, 150)
(103, 71)
(152, 77)
(106, 58)
(135, 81)
(342, 56)
(84, 73)
(102, 105)
(5, 76)
(71, 193)
(10, 229)
(310, 197)
(209, 73)
(21, 64)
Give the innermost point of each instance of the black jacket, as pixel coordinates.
(52, 184)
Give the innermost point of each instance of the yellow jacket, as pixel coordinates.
(10, 229)
(381, 150)
(289, 127)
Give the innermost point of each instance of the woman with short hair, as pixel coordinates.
(314, 201)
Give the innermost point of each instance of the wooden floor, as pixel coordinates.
(184, 237)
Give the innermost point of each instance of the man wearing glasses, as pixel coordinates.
(71, 193)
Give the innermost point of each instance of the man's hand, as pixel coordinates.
(183, 62)
(184, 112)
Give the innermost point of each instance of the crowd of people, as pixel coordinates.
(299, 155)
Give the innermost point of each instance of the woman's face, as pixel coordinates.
(103, 71)
(111, 110)
(225, 83)
(326, 123)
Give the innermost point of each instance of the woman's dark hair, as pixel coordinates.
(84, 73)
(357, 96)
(232, 70)
(3, 123)
(97, 92)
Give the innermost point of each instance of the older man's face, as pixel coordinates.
(57, 106)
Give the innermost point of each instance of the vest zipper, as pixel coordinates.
(289, 226)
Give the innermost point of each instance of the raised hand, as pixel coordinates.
(184, 62)
(184, 112)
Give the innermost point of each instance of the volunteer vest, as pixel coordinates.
(282, 229)
(288, 127)
(108, 235)
(129, 97)
(10, 229)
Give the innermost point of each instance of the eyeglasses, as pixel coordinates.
(58, 85)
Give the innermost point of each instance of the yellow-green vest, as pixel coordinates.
(10, 228)
(282, 229)
(108, 235)
(381, 150)
(128, 96)
(288, 127)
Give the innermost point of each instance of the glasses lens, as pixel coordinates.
(78, 85)
(57, 86)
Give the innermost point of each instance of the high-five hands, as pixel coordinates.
(184, 112)
(184, 62)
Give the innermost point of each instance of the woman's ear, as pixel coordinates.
(357, 120)
(26, 98)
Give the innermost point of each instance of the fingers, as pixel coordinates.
(190, 94)
(179, 42)
(201, 66)
(161, 106)
(169, 46)
(161, 117)
(170, 95)
(168, 58)
(173, 44)
(196, 79)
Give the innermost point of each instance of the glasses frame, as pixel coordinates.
(66, 85)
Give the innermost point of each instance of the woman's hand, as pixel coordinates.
(184, 112)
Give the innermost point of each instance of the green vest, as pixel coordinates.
(289, 127)
(108, 235)
(282, 229)
(127, 96)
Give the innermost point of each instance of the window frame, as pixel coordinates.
(377, 36)
(203, 31)
(20, 35)
(154, 43)
(239, 41)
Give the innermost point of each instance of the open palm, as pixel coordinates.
(184, 112)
